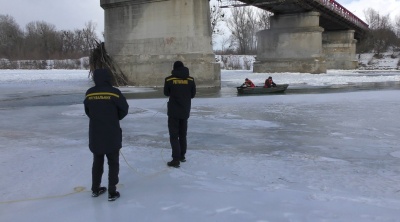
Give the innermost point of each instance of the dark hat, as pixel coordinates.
(246, 79)
(178, 64)
(270, 77)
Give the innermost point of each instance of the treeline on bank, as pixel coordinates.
(42, 41)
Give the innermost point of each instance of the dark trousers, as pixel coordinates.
(98, 169)
(177, 136)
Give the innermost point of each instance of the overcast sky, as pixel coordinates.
(73, 14)
(64, 14)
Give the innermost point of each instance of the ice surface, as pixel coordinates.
(288, 157)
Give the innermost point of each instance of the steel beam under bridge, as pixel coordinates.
(333, 16)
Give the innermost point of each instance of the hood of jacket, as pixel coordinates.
(102, 77)
(181, 72)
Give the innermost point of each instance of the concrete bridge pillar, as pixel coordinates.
(292, 44)
(340, 49)
(145, 37)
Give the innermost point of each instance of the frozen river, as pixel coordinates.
(65, 87)
(315, 113)
(325, 150)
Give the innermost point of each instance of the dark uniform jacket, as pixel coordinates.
(105, 106)
(180, 88)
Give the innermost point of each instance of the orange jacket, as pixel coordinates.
(249, 83)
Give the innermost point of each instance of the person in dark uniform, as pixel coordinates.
(181, 89)
(105, 106)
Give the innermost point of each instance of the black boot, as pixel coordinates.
(99, 191)
(113, 196)
(174, 163)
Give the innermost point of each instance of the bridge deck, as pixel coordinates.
(333, 15)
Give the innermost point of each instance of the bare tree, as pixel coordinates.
(244, 24)
(381, 35)
(69, 45)
(90, 38)
(42, 41)
(397, 25)
(376, 20)
(397, 28)
(225, 44)
(264, 19)
(252, 29)
(239, 25)
(80, 42)
(11, 37)
(216, 17)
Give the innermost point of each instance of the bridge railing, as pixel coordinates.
(338, 8)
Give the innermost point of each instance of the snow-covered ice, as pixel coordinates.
(297, 156)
